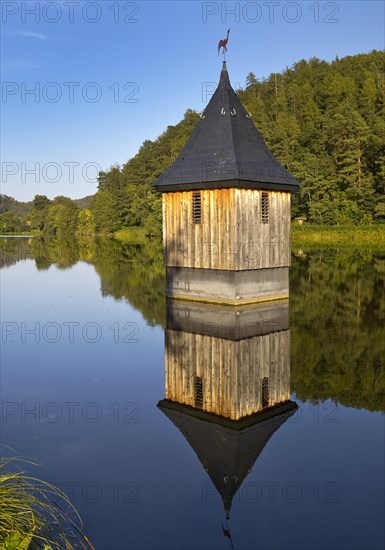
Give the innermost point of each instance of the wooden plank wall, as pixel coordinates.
(263, 245)
(232, 372)
(231, 235)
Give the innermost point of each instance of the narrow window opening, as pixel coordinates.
(265, 392)
(197, 207)
(198, 391)
(265, 207)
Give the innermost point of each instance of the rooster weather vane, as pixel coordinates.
(223, 44)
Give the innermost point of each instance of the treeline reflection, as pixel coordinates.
(337, 307)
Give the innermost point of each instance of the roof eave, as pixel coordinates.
(235, 183)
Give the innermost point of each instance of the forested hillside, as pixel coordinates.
(13, 214)
(324, 121)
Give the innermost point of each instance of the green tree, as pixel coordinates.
(62, 217)
(104, 209)
(40, 212)
(86, 224)
(9, 222)
(346, 138)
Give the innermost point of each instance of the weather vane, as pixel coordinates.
(223, 44)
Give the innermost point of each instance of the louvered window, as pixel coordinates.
(198, 391)
(265, 392)
(197, 207)
(265, 207)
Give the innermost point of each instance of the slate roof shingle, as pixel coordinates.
(226, 150)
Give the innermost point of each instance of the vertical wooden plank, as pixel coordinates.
(171, 381)
(253, 232)
(258, 230)
(203, 230)
(273, 368)
(250, 250)
(278, 225)
(167, 366)
(178, 345)
(287, 227)
(182, 217)
(227, 215)
(235, 401)
(219, 227)
(282, 227)
(170, 229)
(214, 359)
(213, 242)
(167, 226)
(221, 376)
(250, 376)
(164, 226)
(274, 229)
(240, 380)
(174, 363)
(224, 380)
(271, 240)
(240, 197)
(174, 224)
(206, 252)
(241, 226)
(236, 220)
(175, 236)
(242, 237)
(232, 223)
(250, 235)
(213, 231)
(205, 370)
(223, 228)
(282, 230)
(245, 366)
(286, 365)
(174, 230)
(257, 373)
(208, 368)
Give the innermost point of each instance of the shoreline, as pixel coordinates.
(300, 234)
(340, 235)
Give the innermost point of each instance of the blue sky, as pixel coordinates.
(107, 75)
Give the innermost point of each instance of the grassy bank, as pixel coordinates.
(372, 235)
(133, 235)
(31, 233)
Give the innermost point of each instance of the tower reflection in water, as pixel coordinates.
(227, 384)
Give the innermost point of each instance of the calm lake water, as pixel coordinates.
(83, 370)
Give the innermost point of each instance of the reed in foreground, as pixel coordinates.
(35, 514)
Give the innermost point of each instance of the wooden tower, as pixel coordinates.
(226, 210)
(227, 384)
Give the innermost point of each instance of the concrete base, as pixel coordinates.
(228, 322)
(227, 287)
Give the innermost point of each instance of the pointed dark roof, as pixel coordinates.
(226, 150)
(227, 449)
